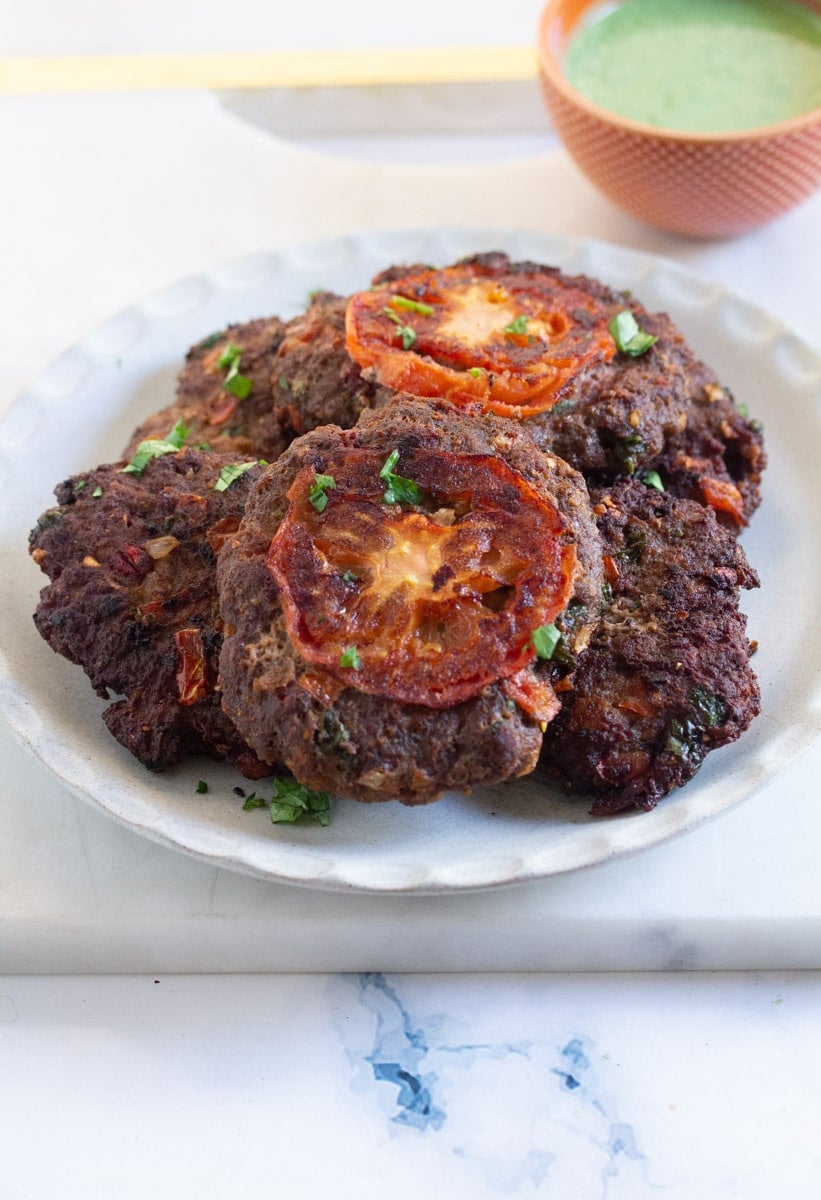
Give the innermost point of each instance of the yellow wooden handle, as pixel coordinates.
(291, 69)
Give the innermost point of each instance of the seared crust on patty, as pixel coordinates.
(133, 599)
(300, 375)
(666, 676)
(332, 735)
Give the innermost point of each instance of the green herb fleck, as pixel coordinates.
(635, 539)
(254, 801)
(407, 335)
(742, 410)
(232, 473)
(652, 479)
(544, 640)
(711, 708)
(350, 658)
(412, 305)
(684, 740)
(201, 788)
(475, 371)
(208, 343)
(349, 577)
(517, 326)
(318, 493)
(626, 451)
(156, 448)
(398, 489)
(293, 800)
(630, 339)
(230, 356)
(335, 732)
(80, 484)
(284, 385)
(238, 385)
(97, 493)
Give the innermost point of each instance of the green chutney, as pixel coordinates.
(701, 66)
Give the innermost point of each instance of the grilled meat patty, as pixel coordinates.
(331, 729)
(133, 599)
(666, 676)
(299, 373)
(661, 410)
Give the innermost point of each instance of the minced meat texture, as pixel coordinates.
(346, 741)
(300, 375)
(666, 676)
(663, 410)
(133, 599)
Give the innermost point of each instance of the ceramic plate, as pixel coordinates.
(81, 411)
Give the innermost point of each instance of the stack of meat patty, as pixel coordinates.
(462, 525)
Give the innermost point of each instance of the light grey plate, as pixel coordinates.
(81, 410)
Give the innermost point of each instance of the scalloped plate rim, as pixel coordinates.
(309, 867)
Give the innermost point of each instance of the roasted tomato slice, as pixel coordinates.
(479, 332)
(428, 601)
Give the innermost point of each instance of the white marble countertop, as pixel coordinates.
(579, 1085)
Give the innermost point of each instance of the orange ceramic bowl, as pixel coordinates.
(702, 184)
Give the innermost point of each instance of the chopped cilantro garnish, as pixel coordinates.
(630, 339)
(293, 800)
(231, 473)
(253, 801)
(405, 332)
(97, 493)
(80, 484)
(652, 479)
(208, 343)
(544, 640)
(742, 410)
(349, 577)
(350, 658)
(412, 305)
(318, 493)
(517, 326)
(201, 788)
(156, 448)
(230, 355)
(399, 490)
(238, 385)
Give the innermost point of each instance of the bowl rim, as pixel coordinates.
(550, 69)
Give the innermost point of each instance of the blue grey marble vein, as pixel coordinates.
(531, 1115)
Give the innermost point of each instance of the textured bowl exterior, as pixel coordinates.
(702, 185)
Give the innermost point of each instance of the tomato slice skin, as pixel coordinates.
(480, 332)
(437, 599)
